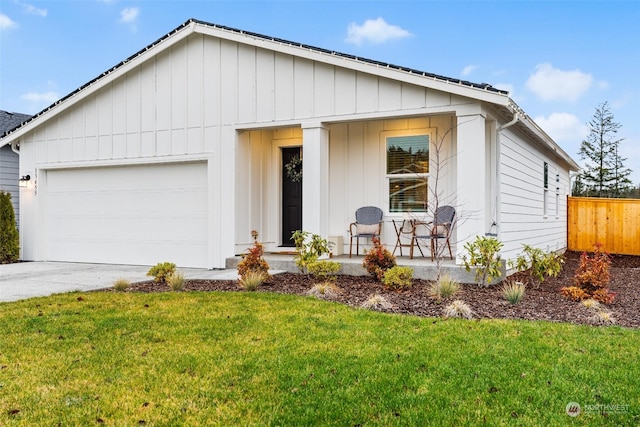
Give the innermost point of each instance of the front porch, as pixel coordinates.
(423, 268)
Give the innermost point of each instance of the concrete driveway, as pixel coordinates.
(33, 279)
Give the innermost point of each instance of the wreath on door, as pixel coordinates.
(294, 169)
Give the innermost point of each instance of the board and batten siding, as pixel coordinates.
(9, 175)
(194, 100)
(522, 217)
(174, 103)
(357, 177)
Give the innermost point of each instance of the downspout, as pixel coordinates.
(496, 219)
(15, 147)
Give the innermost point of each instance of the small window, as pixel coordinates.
(408, 172)
(545, 202)
(545, 192)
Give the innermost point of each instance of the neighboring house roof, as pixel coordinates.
(9, 121)
(484, 92)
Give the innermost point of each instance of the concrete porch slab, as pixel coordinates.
(423, 268)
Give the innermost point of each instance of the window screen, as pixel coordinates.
(407, 172)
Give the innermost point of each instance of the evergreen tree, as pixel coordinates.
(578, 189)
(605, 174)
(9, 239)
(621, 185)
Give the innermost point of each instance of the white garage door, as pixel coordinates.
(141, 214)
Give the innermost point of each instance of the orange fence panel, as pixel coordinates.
(615, 223)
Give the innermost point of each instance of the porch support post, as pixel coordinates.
(471, 180)
(315, 179)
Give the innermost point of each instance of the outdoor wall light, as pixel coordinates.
(22, 182)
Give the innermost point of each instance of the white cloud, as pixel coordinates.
(6, 23)
(563, 127)
(41, 97)
(129, 15)
(32, 10)
(374, 31)
(552, 84)
(468, 70)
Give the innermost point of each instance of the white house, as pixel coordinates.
(178, 152)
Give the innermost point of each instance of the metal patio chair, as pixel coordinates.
(439, 228)
(368, 225)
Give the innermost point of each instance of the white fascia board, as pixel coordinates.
(356, 65)
(542, 136)
(106, 78)
(550, 143)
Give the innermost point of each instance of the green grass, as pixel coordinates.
(264, 359)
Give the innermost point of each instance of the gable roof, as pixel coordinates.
(9, 121)
(298, 49)
(479, 91)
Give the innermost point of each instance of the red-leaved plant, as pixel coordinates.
(253, 261)
(591, 278)
(378, 260)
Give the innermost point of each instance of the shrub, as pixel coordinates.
(484, 257)
(326, 290)
(591, 278)
(161, 271)
(252, 280)
(378, 260)
(513, 292)
(591, 303)
(309, 248)
(602, 318)
(398, 277)
(458, 309)
(444, 287)
(9, 238)
(253, 261)
(377, 302)
(540, 264)
(574, 293)
(324, 270)
(176, 281)
(121, 285)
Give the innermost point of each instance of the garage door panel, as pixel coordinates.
(130, 214)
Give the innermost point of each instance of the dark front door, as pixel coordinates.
(291, 193)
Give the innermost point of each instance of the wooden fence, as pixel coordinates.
(615, 223)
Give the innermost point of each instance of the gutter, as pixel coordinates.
(516, 118)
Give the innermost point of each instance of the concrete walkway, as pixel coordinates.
(33, 279)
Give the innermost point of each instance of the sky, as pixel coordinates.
(558, 59)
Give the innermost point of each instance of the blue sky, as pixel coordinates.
(558, 59)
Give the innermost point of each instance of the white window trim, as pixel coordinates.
(431, 133)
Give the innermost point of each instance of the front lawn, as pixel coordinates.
(209, 358)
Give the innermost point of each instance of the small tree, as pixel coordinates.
(309, 248)
(253, 261)
(483, 255)
(9, 238)
(605, 174)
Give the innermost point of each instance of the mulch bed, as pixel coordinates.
(542, 302)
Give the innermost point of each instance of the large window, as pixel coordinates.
(408, 172)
